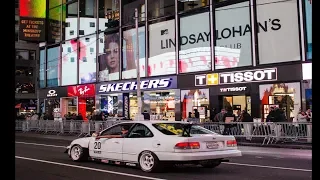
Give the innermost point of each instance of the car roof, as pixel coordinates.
(156, 122)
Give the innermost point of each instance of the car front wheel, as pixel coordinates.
(77, 153)
(149, 162)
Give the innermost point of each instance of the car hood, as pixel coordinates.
(83, 142)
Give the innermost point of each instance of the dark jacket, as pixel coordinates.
(246, 117)
(146, 115)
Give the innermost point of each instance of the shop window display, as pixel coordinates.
(237, 103)
(195, 99)
(285, 96)
(111, 104)
(133, 104)
(161, 104)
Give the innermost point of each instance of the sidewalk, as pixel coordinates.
(241, 144)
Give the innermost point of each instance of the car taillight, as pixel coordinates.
(231, 143)
(187, 145)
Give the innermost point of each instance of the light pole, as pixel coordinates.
(138, 116)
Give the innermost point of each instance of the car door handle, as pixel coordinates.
(117, 142)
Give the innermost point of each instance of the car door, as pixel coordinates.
(140, 138)
(108, 148)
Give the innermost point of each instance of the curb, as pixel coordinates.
(287, 146)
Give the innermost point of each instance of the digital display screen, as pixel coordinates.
(32, 20)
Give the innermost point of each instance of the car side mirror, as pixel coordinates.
(94, 134)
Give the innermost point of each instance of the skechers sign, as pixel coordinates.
(256, 75)
(148, 84)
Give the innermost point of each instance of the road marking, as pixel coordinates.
(88, 168)
(36, 144)
(229, 163)
(270, 167)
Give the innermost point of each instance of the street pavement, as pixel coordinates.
(42, 157)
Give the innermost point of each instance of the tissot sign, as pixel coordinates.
(256, 75)
(145, 84)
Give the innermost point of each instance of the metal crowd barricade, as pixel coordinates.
(268, 132)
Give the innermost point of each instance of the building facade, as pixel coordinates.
(27, 61)
(199, 54)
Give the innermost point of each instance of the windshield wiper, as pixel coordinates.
(186, 130)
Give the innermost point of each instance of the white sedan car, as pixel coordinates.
(152, 145)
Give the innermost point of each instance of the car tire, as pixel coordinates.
(210, 164)
(78, 153)
(149, 162)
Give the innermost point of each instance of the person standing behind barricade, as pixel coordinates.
(79, 117)
(146, 115)
(219, 118)
(302, 119)
(248, 124)
(228, 117)
(309, 114)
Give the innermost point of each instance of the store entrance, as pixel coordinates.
(236, 103)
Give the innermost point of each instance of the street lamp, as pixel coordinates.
(139, 115)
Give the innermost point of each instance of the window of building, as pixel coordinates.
(24, 71)
(233, 36)
(160, 8)
(53, 59)
(88, 14)
(162, 56)
(278, 27)
(129, 66)
(108, 14)
(195, 49)
(54, 29)
(42, 66)
(69, 65)
(87, 64)
(22, 54)
(129, 7)
(186, 5)
(70, 17)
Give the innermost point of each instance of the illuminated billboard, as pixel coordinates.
(32, 20)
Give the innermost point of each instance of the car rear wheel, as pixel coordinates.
(149, 162)
(77, 153)
(210, 163)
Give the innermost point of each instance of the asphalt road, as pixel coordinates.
(44, 159)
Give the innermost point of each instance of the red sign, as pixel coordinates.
(82, 90)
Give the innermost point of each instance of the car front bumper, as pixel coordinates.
(170, 156)
(67, 150)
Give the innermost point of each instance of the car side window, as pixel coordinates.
(115, 130)
(140, 131)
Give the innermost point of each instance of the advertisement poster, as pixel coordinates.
(308, 10)
(69, 68)
(278, 27)
(233, 36)
(195, 52)
(129, 67)
(162, 49)
(109, 57)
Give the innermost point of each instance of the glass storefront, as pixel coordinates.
(69, 104)
(195, 99)
(285, 96)
(162, 104)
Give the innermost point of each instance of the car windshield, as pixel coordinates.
(177, 129)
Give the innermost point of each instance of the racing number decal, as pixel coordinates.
(97, 145)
